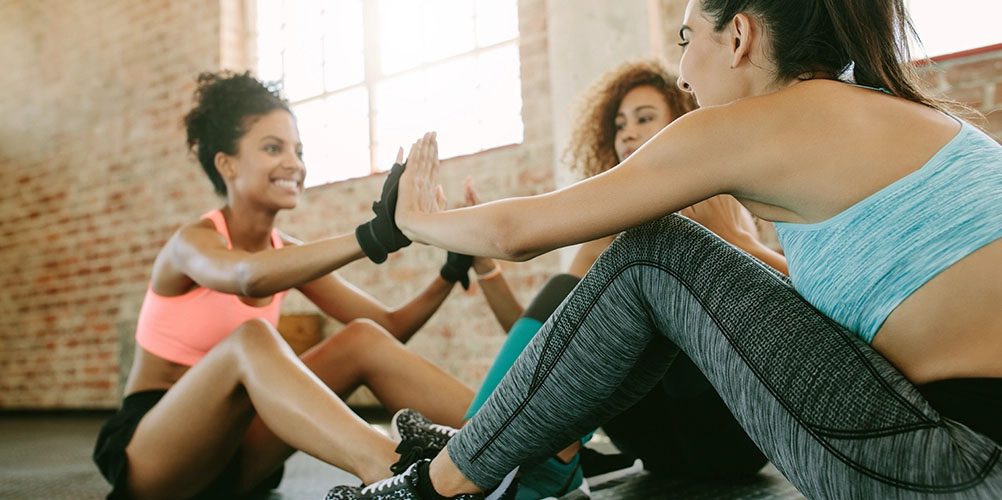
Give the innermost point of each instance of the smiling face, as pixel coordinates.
(643, 112)
(268, 168)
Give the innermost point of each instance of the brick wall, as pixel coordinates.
(94, 177)
(92, 97)
(974, 78)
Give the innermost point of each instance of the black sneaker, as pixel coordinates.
(408, 424)
(413, 450)
(407, 486)
(600, 468)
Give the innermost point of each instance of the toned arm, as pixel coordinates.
(682, 165)
(197, 253)
(345, 302)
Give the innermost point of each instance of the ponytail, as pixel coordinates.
(874, 36)
(869, 37)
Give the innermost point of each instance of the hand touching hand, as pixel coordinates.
(420, 192)
(380, 236)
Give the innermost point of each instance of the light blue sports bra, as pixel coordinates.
(859, 265)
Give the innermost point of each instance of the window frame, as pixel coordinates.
(373, 74)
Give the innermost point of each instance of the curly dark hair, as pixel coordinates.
(225, 105)
(592, 148)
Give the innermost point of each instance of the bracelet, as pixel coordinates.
(493, 273)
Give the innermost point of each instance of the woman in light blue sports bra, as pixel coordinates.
(876, 374)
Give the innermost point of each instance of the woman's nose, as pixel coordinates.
(684, 85)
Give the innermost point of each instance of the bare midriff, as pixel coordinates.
(951, 327)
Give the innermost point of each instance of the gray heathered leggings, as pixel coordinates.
(833, 416)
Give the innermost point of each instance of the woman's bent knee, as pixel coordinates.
(365, 331)
(256, 335)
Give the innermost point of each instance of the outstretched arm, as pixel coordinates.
(680, 166)
(197, 254)
(345, 302)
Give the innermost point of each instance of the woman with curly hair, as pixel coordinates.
(216, 400)
(681, 428)
(874, 373)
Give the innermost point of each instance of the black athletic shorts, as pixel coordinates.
(109, 451)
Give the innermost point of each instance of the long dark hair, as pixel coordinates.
(867, 39)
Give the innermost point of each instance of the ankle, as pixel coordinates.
(568, 453)
(373, 468)
(447, 479)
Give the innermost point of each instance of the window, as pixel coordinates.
(365, 77)
(955, 26)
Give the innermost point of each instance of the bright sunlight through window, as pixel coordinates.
(365, 77)
(952, 26)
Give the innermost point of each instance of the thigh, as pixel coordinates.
(833, 415)
(683, 429)
(191, 435)
(262, 452)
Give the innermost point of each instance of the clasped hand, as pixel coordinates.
(419, 190)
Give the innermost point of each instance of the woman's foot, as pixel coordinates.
(415, 483)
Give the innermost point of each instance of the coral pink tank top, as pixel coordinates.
(183, 328)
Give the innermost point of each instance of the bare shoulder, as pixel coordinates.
(288, 239)
(832, 144)
(167, 278)
(195, 235)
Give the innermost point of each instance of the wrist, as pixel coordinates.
(370, 244)
(490, 274)
(483, 265)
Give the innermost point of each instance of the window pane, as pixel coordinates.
(303, 49)
(955, 26)
(497, 21)
(448, 28)
(269, 40)
(473, 102)
(453, 107)
(343, 44)
(438, 79)
(414, 32)
(335, 135)
(401, 115)
(400, 35)
(499, 96)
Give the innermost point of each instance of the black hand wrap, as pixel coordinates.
(380, 236)
(457, 268)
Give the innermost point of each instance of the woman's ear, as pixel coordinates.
(741, 34)
(224, 165)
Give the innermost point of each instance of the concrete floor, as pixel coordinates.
(47, 456)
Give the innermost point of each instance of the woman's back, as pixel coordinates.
(946, 327)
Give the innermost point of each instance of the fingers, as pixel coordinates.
(433, 152)
(472, 198)
(440, 198)
(412, 153)
(400, 155)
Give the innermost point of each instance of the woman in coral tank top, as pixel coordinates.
(216, 400)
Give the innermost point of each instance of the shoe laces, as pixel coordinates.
(411, 451)
(443, 429)
(388, 483)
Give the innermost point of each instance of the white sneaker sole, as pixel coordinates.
(394, 435)
(499, 492)
(579, 493)
(596, 481)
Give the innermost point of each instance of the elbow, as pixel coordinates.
(250, 281)
(511, 251)
(513, 243)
